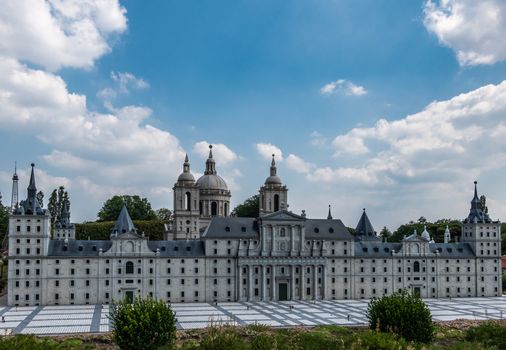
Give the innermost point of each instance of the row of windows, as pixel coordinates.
(28, 228)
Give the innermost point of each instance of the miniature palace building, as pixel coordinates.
(210, 256)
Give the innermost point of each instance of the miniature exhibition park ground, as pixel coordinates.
(72, 319)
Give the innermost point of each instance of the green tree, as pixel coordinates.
(250, 208)
(59, 197)
(144, 324)
(138, 208)
(164, 214)
(436, 229)
(385, 233)
(4, 219)
(40, 198)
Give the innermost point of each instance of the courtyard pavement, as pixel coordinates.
(93, 318)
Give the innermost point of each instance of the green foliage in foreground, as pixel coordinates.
(490, 334)
(143, 325)
(487, 336)
(401, 313)
(30, 342)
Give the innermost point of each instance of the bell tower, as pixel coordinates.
(273, 194)
(186, 205)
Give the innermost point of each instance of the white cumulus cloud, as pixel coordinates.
(452, 138)
(221, 153)
(266, 150)
(298, 164)
(59, 33)
(343, 86)
(475, 30)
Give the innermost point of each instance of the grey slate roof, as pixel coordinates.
(371, 249)
(31, 205)
(376, 249)
(364, 229)
(477, 212)
(124, 223)
(452, 250)
(327, 229)
(178, 248)
(230, 227)
(77, 248)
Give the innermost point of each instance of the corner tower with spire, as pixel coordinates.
(484, 237)
(29, 235)
(273, 194)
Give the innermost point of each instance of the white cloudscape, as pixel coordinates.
(221, 153)
(266, 150)
(475, 30)
(343, 86)
(103, 153)
(56, 33)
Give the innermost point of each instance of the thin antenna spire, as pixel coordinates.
(15, 191)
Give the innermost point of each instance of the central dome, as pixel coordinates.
(212, 182)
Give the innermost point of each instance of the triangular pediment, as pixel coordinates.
(282, 215)
(415, 238)
(128, 235)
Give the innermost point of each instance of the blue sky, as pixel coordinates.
(396, 106)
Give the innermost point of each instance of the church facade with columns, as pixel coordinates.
(211, 256)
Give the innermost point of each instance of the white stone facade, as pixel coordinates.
(277, 256)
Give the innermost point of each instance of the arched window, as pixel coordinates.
(200, 207)
(416, 266)
(276, 202)
(214, 208)
(188, 200)
(282, 232)
(225, 209)
(129, 268)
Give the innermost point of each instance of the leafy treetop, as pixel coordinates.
(250, 208)
(138, 208)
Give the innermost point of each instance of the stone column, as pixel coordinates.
(292, 283)
(264, 283)
(250, 282)
(301, 241)
(273, 284)
(239, 289)
(264, 240)
(302, 283)
(324, 282)
(292, 241)
(273, 241)
(315, 281)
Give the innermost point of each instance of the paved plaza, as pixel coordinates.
(93, 318)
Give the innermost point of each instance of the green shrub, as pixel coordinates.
(30, 342)
(504, 282)
(153, 229)
(372, 340)
(401, 313)
(489, 334)
(315, 340)
(223, 338)
(144, 324)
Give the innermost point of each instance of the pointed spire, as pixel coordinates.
(186, 175)
(210, 163)
(124, 223)
(15, 175)
(273, 166)
(329, 216)
(15, 192)
(447, 235)
(364, 227)
(32, 189)
(425, 234)
(477, 212)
